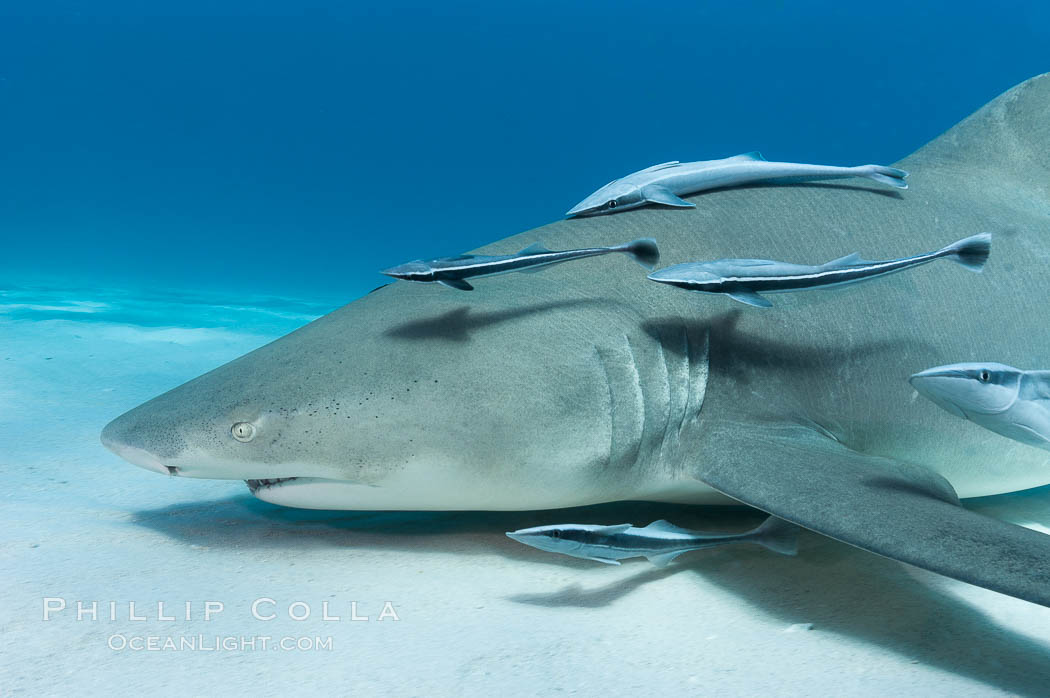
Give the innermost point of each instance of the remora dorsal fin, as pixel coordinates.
(663, 526)
(852, 258)
(612, 530)
(661, 166)
(535, 248)
(753, 155)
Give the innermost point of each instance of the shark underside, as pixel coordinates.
(586, 383)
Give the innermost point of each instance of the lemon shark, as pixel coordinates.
(586, 383)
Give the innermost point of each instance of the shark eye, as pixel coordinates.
(555, 534)
(984, 376)
(243, 431)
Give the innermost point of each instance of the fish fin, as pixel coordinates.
(612, 530)
(852, 258)
(886, 506)
(890, 176)
(777, 535)
(606, 560)
(459, 284)
(752, 262)
(666, 527)
(656, 194)
(654, 168)
(971, 252)
(751, 298)
(535, 248)
(665, 559)
(753, 155)
(644, 251)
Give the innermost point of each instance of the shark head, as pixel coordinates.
(970, 389)
(417, 270)
(615, 196)
(397, 401)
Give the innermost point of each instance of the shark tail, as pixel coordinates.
(777, 535)
(971, 252)
(643, 250)
(885, 175)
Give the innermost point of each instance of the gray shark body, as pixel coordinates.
(594, 386)
(667, 182)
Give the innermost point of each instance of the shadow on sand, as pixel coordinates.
(838, 588)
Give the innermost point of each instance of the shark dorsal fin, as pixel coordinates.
(753, 155)
(663, 526)
(661, 166)
(535, 248)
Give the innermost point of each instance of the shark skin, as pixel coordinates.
(581, 386)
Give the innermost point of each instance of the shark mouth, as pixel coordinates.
(256, 485)
(306, 492)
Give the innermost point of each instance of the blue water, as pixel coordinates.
(290, 148)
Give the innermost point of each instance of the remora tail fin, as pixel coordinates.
(971, 252)
(885, 175)
(777, 535)
(644, 251)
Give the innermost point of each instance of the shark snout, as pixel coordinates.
(114, 438)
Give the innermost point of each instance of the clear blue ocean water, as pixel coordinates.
(297, 148)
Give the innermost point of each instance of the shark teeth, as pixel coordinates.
(254, 485)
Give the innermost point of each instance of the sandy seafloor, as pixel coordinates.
(478, 614)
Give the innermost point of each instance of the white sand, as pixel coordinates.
(478, 613)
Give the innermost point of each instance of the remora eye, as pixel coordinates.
(243, 431)
(984, 376)
(555, 534)
(612, 204)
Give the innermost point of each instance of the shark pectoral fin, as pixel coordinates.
(606, 560)
(457, 284)
(656, 194)
(751, 298)
(665, 559)
(894, 509)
